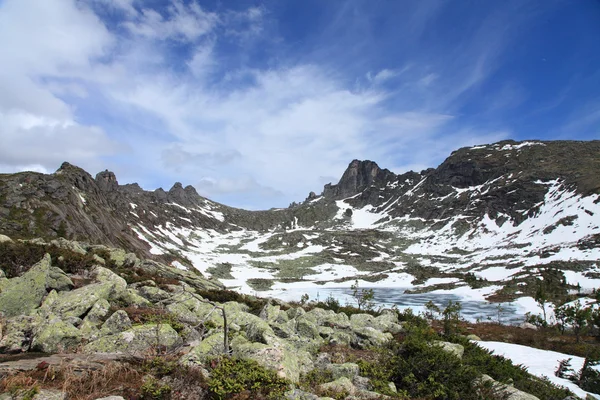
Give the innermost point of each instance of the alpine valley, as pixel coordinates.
(485, 225)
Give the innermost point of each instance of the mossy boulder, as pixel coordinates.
(18, 333)
(153, 294)
(118, 322)
(132, 298)
(288, 361)
(453, 348)
(22, 295)
(211, 347)
(340, 387)
(367, 337)
(56, 336)
(58, 280)
(348, 370)
(138, 339)
(194, 311)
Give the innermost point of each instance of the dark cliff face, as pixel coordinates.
(358, 176)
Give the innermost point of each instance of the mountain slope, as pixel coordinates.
(487, 222)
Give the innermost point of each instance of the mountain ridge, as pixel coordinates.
(510, 207)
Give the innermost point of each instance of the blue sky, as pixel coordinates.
(256, 103)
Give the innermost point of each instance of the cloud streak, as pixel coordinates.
(233, 101)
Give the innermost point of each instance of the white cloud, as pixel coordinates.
(184, 22)
(44, 40)
(268, 134)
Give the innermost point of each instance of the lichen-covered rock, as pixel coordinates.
(131, 298)
(18, 334)
(4, 238)
(98, 311)
(106, 276)
(295, 312)
(508, 392)
(78, 302)
(348, 370)
(194, 311)
(258, 330)
(340, 386)
(138, 339)
(21, 295)
(210, 347)
(153, 293)
(453, 348)
(288, 361)
(56, 336)
(122, 258)
(57, 279)
(111, 398)
(69, 245)
(368, 336)
(307, 327)
(118, 322)
(341, 338)
(297, 394)
(273, 314)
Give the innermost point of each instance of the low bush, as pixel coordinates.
(237, 378)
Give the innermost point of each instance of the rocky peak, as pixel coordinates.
(77, 176)
(358, 176)
(107, 181)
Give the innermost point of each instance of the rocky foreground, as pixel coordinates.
(89, 307)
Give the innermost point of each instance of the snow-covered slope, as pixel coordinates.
(489, 223)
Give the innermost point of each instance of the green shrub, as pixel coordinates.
(231, 376)
(152, 389)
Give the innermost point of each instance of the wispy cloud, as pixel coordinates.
(238, 103)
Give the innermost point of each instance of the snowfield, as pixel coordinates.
(538, 362)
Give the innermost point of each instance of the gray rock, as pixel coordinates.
(111, 398)
(297, 394)
(457, 349)
(509, 392)
(339, 386)
(137, 340)
(348, 370)
(56, 336)
(21, 295)
(118, 322)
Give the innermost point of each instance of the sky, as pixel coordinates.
(257, 103)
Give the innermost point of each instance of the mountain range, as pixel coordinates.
(490, 221)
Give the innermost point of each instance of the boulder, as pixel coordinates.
(21, 295)
(194, 311)
(56, 336)
(138, 339)
(19, 333)
(369, 336)
(454, 348)
(288, 361)
(348, 370)
(118, 322)
(111, 398)
(338, 387)
(57, 279)
(153, 293)
(508, 392)
(211, 347)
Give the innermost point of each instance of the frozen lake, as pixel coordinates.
(472, 310)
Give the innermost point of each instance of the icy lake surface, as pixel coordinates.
(472, 310)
